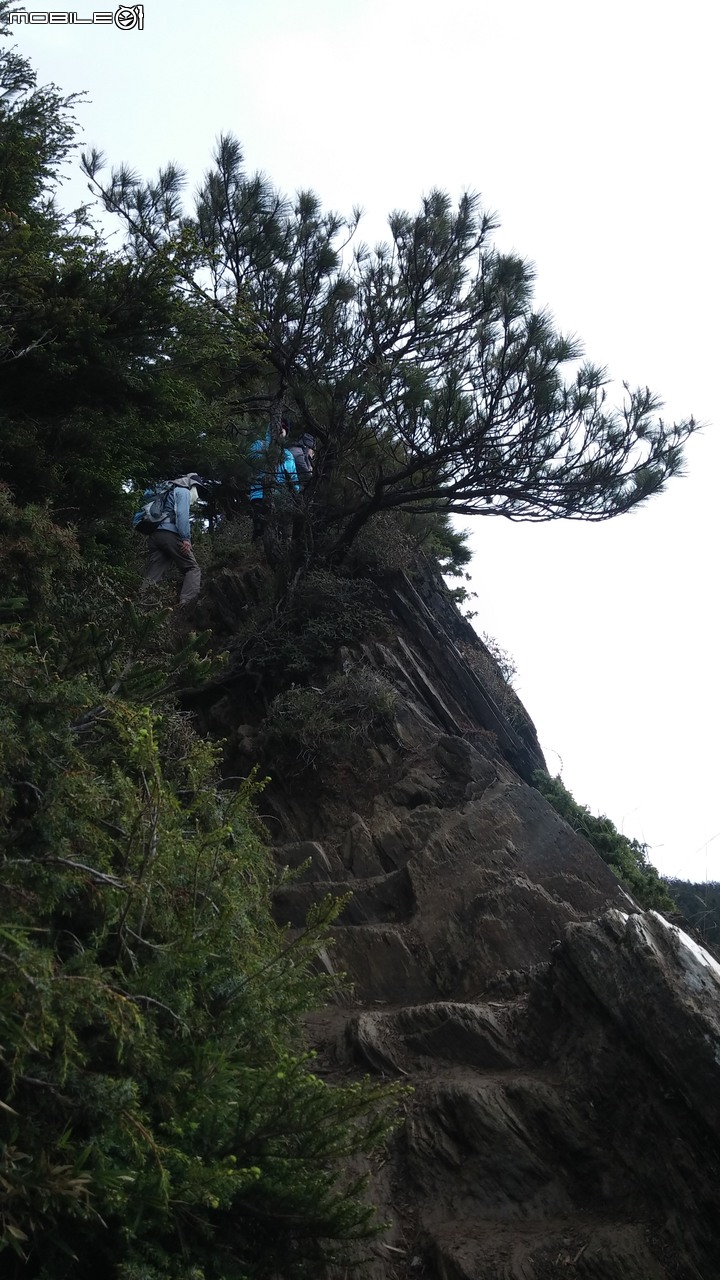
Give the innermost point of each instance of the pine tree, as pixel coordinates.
(422, 366)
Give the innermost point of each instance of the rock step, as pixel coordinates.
(475, 1035)
(377, 900)
(505, 1145)
(387, 962)
(576, 1248)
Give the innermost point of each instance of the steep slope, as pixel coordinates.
(563, 1048)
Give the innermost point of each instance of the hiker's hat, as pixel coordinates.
(192, 480)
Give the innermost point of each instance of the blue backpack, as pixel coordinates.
(159, 507)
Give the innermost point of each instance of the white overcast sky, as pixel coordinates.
(592, 130)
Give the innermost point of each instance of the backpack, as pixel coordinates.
(159, 507)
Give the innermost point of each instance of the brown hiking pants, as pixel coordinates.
(165, 549)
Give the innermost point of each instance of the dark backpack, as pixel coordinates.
(159, 507)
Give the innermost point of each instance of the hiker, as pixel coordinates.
(281, 476)
(303, 451)
(169, 543)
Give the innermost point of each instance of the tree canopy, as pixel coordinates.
(107, 373)
(422, 364)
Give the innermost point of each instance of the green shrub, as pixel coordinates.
(288, 633)
(159, 1117)
(400, 540)
(495, 669)
(329, 610)
(313, 726)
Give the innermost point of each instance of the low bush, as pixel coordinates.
(310, 727)
(159, 1117)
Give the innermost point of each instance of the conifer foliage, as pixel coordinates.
(422, 365)
(158, 1116)
(107, 374)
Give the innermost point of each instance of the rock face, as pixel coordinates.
(564, 1123)
(481, 875)
(564, 1048)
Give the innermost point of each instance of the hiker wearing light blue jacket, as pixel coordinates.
(171, 544)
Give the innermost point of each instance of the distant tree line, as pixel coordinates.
(700, 904)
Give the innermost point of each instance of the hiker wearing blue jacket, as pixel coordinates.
(275, 479)
(171, 545)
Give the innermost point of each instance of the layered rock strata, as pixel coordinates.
(564, 1048)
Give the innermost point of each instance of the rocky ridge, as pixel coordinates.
(563, 1047)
